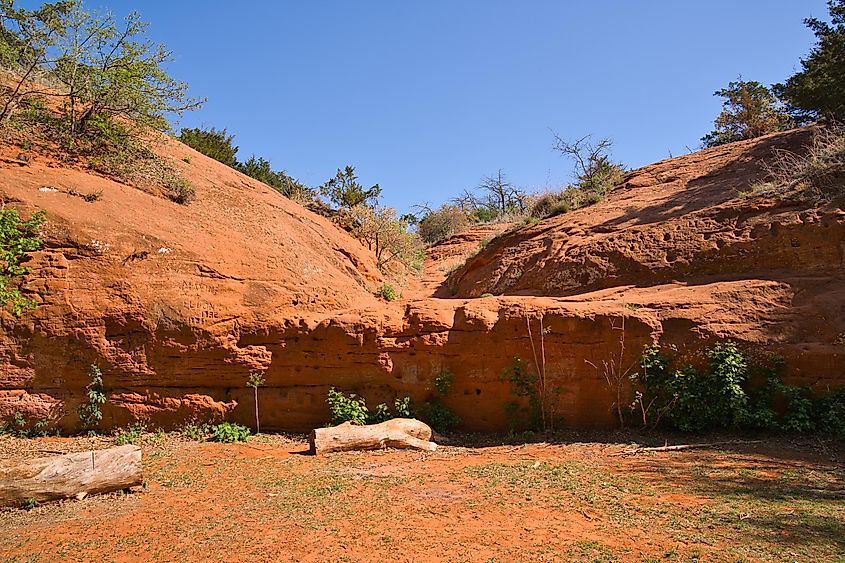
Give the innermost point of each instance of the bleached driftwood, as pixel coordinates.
(679, 447)
(70, 475)
(407, 433)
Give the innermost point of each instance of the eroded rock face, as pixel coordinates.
(179, 304)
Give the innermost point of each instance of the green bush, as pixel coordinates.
(352, 408)
(380, 414)
(386, 292)
(196, 432)
(22, 428)
(90, 412)
(178, 189)
(434, 410)
(215, 143)
(750, 110)
(130, 435)
(731, 393)
(818, 89)
(403, 407)
(347, 409)
(525, 411)
(229, 432)
(17, 239)
(443, 222)
(439, 416)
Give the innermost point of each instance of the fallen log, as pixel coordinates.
(403, 433)
(70, 475)
(679, 447)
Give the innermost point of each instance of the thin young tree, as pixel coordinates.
(255, 381)
(501, 194)
(594, 170)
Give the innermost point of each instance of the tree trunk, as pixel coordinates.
(71, 475)
(403, 433)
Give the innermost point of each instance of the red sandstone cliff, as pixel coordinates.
(178, 304)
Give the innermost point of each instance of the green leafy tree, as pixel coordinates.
(26, 40)
(386, 235)
(110, 70)
(346, 192)
(818, 90)
(215, 143)
(750, 110)
(17, 238)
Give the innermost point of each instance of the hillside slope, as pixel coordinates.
(156, 293)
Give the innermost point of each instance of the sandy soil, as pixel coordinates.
(573, 498)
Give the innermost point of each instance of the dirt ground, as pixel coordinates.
(574, 498)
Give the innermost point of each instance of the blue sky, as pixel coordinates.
(425, 98)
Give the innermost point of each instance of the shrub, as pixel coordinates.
(229, 432)
(346, 192)
(196, 432)
(260, 169)
(90, 412)
(129, 435)
(22, 428)
(442, 223)
(380, 414)
(17, 239)
(352, 408)
(215, 143)
(395, 246)
(818, 175)
(178, 189)
(443, 383)
(387, 292)
(722, 396)
(549, 204)
(595, 173)
(439, 416)
(403, 407)
(347, 409)
(525, 412)
(434, 410)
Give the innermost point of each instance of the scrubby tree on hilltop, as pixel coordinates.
(217, 144)
(441, 223)
(750, 110)
(260, 169)
(818, 90)
(594, 169)
(501, 195)
(346, 192)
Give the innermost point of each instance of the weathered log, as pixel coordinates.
(679, 447)
(405, 433)
(70, 475)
